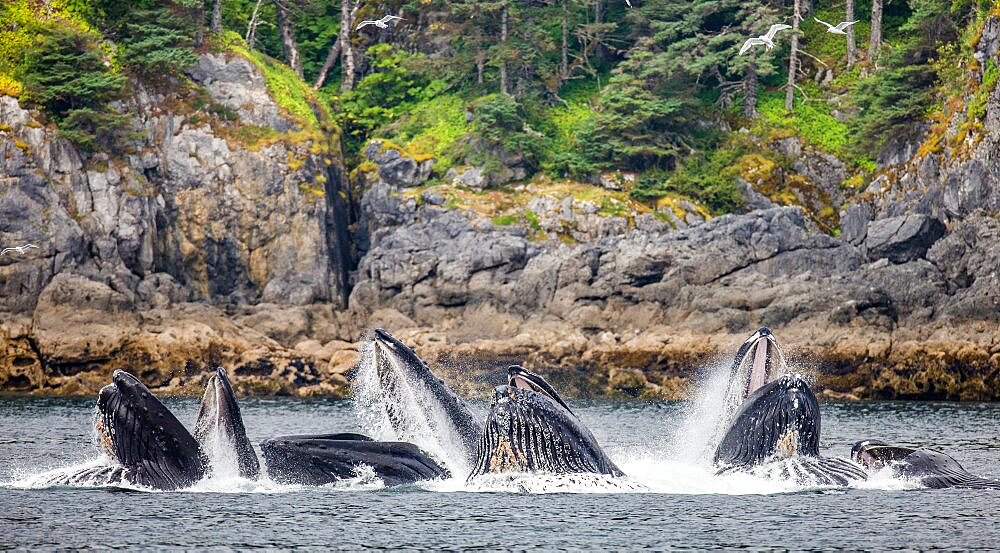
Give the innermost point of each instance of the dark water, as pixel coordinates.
(39, 434)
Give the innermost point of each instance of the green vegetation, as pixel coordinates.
(292, 95)
(156, 42)
(64, 73)
(811, 121)
(564, 90)
(977, 106)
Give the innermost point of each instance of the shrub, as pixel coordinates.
(67, 75)
(500, 122)
(383, 94)
(157, 41)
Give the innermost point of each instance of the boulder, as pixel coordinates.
(395, 167)
(469, 177)
(854, 223)
(903, 238)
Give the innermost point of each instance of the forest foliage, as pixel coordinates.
(569, 88)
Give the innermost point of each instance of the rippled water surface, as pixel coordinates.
(672, 501)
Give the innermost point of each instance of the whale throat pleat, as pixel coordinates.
(154, 449)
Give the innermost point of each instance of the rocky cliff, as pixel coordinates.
(221, 200)
(229, 240)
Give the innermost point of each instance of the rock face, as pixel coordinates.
(395, 168)
(901, 239)
(653, 301)
(198, 248)
(186, 213)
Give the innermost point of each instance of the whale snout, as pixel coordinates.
(792, 382)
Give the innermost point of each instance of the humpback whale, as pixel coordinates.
(219, 427)
(393, 387)
(146, 445)
(779, 423)
(147, 440)
(530, 429)
(932, 469)
(323, 459)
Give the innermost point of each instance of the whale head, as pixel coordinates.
(220, 424)
(323, 459)
(530, 429)
(145, 438)
(778, 420)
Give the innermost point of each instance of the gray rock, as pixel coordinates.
(226, 223)
(854, 223)
(989, 42)
(751, 198)
(397, 169)
(824, 171)
(967, 188)
(470, 177)
(901, 239)
(432, 198)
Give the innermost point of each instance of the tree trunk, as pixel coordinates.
(331, 58)
(503, 40)
(251, 35)
(564, 66)
(852, 48)
(598, 19)
(347, 14)
(793, 56)
(750, 90)
(875, 41)
(217, 16)
(480, 65)
(288, 38)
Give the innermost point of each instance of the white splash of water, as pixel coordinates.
(220, 450)
(529, 483)
(402, 408)
(90, 473)
(706, 418)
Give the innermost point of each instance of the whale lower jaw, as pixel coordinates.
(805, 471)
(317, 460)
(958, 479)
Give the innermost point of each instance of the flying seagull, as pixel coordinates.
(380, 23)
(19, 249)
(839, 29)
(766, 39)
(629, 3)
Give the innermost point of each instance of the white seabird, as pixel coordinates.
(839, 28)
(766, 39)
(19, 249)
(380, 23)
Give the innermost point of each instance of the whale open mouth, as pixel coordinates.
(875, 454)
(521, 378)
(530, 431)
(145, 438)
(220, 431)
(758, 360)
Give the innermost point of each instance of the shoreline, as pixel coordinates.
(266, 356)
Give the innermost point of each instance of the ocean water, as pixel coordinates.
(671, 500)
